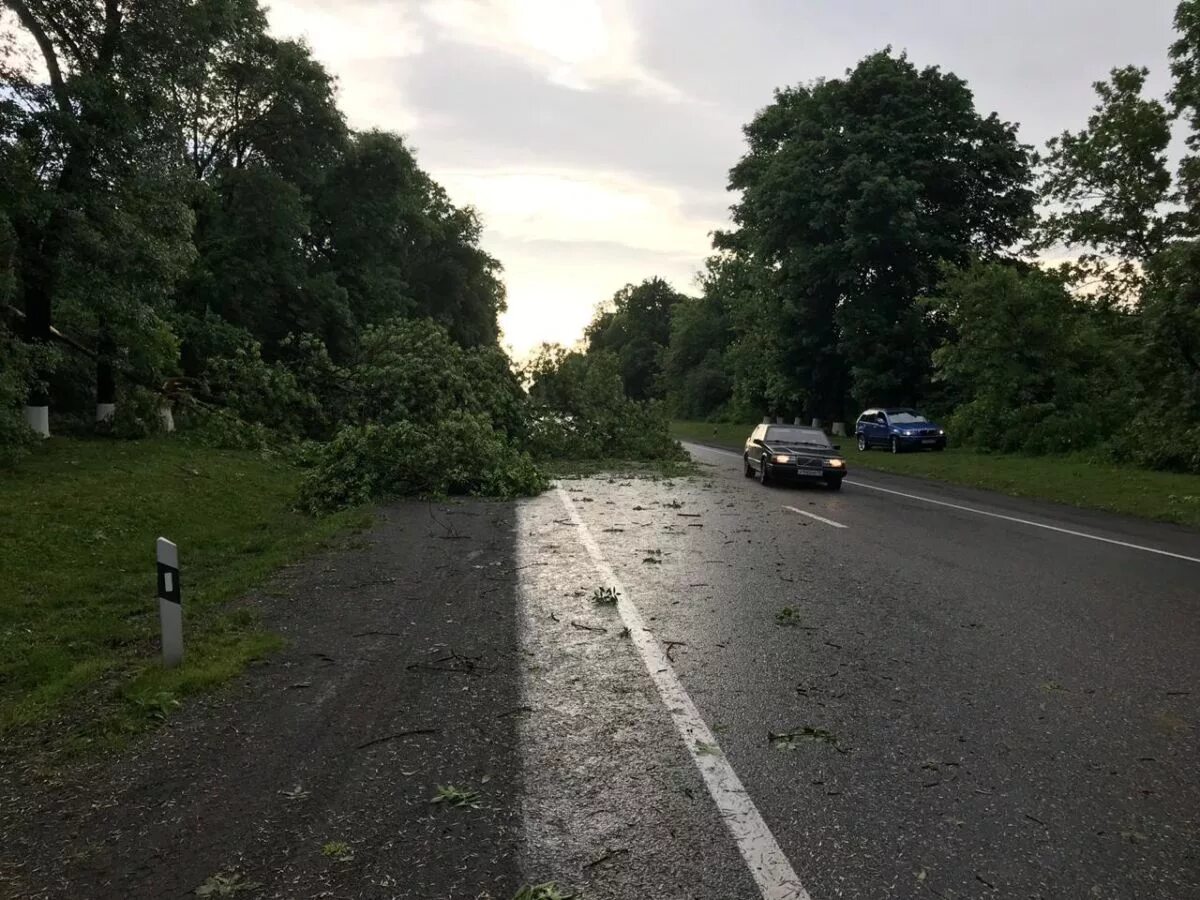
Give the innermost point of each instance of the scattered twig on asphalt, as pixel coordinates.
(514, 712)
(446, 670)
(451, 531)
(377, 633)
(396, 736)
(671, 645)
(688, 515)
(466, 664)
(553, 617)
(605, 857)
(1035, 819)
(983, 880)
(371, 583)
(581, 627)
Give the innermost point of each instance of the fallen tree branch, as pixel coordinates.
(575, 624)
(396, 736)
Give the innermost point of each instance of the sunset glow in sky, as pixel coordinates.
(594, 137)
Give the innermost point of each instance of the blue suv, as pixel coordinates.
(898, 430)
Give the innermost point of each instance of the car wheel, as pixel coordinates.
(747, 469)
(895, 444)
(763, 478)
(834, 484)
(862, 443)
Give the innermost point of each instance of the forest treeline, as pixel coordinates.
(892, 245)
(191, 236)
(188, 226)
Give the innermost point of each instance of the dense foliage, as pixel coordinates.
(188, 225)
(581, 410)
(187, 222)
(893, 246)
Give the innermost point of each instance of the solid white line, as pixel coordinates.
(815, 516)
(983, 512)
(772, 872)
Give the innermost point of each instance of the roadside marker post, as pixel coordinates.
(170, 603)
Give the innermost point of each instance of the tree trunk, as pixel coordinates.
(106, 381)
(39, 249)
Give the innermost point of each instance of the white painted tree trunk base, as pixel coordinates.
(168, 420)
(816, 423)
(839, 428)
(105, 412)
(38, 419)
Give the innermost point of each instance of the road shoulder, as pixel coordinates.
(313, 774)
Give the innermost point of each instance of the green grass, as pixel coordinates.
(79, 655)
(1076, 480)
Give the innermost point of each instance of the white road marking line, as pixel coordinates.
(772, 872)
(815, 516)
(984, 512)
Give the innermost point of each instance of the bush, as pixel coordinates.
(222, 429)
(1147, 444)
(582, 412)
(17, 367)
(136, 416)
(411, 371)
(460, 455)
(266, 393)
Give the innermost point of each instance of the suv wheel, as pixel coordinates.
(763, 478)
(747, 469)
(895, 444)
(862, 443)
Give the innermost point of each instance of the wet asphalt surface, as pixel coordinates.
(992, 709)
(1004, 710)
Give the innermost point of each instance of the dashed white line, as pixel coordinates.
(984, 512)
(815, 516)
(1015, 519)
(771, 870)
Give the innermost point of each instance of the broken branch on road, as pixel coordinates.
(396, 736)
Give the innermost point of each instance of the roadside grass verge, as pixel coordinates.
(1077, 480)
(79, 654)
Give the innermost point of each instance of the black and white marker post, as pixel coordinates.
(170, 605)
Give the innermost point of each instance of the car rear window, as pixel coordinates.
(798, 436)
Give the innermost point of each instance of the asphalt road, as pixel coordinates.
(983, 700)
(900, 690)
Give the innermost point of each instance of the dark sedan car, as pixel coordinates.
(793, 452)
(898, 430)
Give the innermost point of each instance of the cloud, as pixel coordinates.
(555, 286)
(577, 44)
(361, 43)
(581, 206)
(568, 238)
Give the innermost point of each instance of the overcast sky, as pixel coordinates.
(595, 136)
